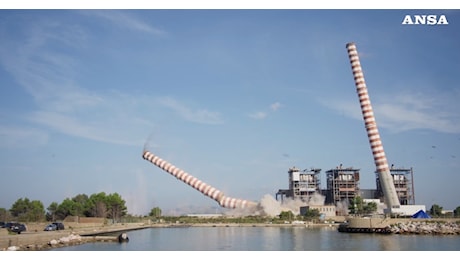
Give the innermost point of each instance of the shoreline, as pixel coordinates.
(48, 240)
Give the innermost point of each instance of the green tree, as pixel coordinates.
(312, 214)
(36, 211)
(370, 207)
(356, 205)
(457, 212)
(4, 215)
(19, 208)
(66, 208)
(436, 210)
(52, 210)
(287, 215)
(116, 207)
(97, 206)
(25, 210)
(155, 212)
(80, 204)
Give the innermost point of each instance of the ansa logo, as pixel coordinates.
(430, 19)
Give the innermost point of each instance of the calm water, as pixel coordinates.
(269, 239)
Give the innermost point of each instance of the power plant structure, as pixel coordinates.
(302, 184)
(403, 182)
(394, 185)
(342, 184)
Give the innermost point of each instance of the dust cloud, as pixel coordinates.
(269, 206)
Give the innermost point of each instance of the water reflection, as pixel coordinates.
(389, 243)
(293, 238)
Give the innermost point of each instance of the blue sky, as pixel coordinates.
(233, 97)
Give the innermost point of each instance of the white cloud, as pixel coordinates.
(202, 116)
(102, 131)
(122, 19)
(404, 112)
(275, 106)
(61, 104)
(258, 115)
(262, 115)
(408, 112)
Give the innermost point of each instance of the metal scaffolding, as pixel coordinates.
(303, 184)
(342, 184)
(403, 182)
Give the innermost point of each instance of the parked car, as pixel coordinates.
(17, 227)
(8, 225)
(59, 225)
(50, 227)
(2, 224)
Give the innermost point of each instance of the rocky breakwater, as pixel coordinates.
(425, 228)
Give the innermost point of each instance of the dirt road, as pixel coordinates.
(38, 240)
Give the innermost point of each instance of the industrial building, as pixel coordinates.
(404, 185)
(342, 185)
(302, 184)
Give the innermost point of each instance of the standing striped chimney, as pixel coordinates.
(202, 187)
(389, 191)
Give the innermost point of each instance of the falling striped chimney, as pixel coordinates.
(389, 191)
(217, 195)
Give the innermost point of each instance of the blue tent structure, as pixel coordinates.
(421, 214)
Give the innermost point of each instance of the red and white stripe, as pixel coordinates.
(371, 128)
(197, 184)
(368, 114)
